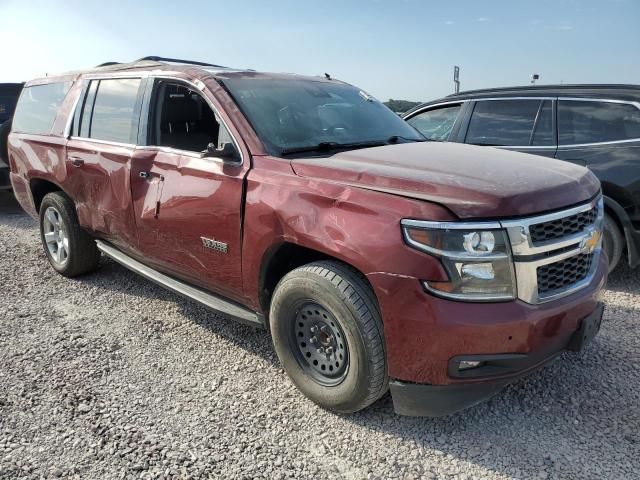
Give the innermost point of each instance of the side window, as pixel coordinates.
(503, 122)
(543, 129)
(113, 117)
(590, 122)
(182, 119)
(38, 106)
(436, 124)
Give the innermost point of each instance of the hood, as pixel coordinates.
(473, 182)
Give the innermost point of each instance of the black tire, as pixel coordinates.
(82, 255)
(347, 310)
(612, 242)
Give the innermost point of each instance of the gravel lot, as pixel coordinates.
(109, 376)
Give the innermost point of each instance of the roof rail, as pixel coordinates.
(177, 60)
(107, 64)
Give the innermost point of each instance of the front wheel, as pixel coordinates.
(70, 250)
(328, 335)
(612, 242)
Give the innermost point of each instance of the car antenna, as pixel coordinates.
(327, 76)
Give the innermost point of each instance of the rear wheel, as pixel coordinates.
(70, 250)
(612, 242)
(328, 335)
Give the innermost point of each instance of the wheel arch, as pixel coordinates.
(40, 187)
(283, 257)
(620, 216)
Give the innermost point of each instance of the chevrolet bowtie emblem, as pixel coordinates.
(590, 243)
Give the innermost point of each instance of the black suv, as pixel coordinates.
(9, 93)
(597, 126)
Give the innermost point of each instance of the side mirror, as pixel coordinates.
(227, 152)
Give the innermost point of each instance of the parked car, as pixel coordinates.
(597, 126)
(9, 93)
(305, 206)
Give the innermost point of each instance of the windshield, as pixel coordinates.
(295, 114)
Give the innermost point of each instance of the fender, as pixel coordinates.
(356, 226)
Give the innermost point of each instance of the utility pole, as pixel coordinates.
(456, 78)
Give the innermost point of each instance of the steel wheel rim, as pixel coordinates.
(319, 344)
(55, 236)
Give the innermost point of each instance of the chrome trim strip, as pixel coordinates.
(207, 299)
(407, 222)
(104, 142)
(161, 148)
(538, 147)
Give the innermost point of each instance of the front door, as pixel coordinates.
(188, 205)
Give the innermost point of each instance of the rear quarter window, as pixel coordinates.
(38, 106)
(581, 122)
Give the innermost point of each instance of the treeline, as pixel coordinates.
(401, 105)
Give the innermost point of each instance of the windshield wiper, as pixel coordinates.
(396, 138)
(329, 146)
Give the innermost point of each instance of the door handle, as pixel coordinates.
(76, 161)
(147, 175)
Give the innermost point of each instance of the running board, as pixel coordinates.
(214, 302)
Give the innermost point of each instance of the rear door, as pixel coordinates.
(188, 206)
(522, 124)
(605, 135)
(98, 157)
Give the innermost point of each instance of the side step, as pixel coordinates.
(214, 302)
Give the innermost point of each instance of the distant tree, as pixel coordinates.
(401, 106)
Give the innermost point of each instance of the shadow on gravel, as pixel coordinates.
(9, 204)
(624, 279)
(116, 278)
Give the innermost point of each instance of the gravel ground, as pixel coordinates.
(108, 376)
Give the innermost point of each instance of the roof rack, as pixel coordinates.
(107, 64)
(177, 60)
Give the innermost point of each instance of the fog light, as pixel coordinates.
(468, 364)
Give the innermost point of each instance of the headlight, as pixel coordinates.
(476, 256)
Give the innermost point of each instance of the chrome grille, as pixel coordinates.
(564, 273)
(556, 254)
(562, 227)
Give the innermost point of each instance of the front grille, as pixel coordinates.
(561, 274)
(562, 227)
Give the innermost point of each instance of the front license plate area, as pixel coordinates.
(589, 328)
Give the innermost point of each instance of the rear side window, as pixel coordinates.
(591, 122)
(504, 123)
(436, 124)
(113, 110)
(108, 111)
(38, 106)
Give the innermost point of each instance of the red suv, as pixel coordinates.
(375, 258)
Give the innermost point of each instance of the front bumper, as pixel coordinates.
(438, 400)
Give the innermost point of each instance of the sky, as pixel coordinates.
(400, 49)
